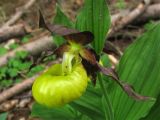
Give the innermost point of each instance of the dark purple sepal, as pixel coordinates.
(82, 38)
(91, 70)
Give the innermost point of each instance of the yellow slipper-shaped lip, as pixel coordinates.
(54, 89)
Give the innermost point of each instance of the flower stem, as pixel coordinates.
(109, 105)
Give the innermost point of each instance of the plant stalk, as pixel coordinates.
(109, 105)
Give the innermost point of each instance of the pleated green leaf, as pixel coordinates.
(63, 113)
(95, 18)
(61, 19)
(140, 67)
(90, 104)
(154, 112)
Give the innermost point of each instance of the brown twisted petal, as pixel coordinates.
(55, 29)
(60, 30)
(71, 35)
(88, 55)
(126, 87)
(61, 49)
(89, 59)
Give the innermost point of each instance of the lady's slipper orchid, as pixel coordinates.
(55, 88)
(65, 82)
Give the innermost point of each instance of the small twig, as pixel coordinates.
(16, 89)
(14, 31)
(155, 1)
(151, 13)
(19, 13)
(129, 17)
(23, 95)
(8, 105)
(3, 15)
(22, 75)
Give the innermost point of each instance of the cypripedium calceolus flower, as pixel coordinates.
(67, 81)
(61, 83)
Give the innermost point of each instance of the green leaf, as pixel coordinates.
(2, 50)
(63, 113)
(35, 70)
(107, 80)
(26, 38)
(120, 4)
(21, 54)
(11, 62)
(95, 18)
(105, 106)
(13, 72)
(3, 70)
(15, 63)
(49, 58)
(84, 117)
(154, 112)
(149, 25)
(14, 46)
(62, 19)
(90, 104)
(3, 116)
(24, 66)
(140, 67)
(105, 60)
(6, 83)
(19, 64)
(18, 80)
